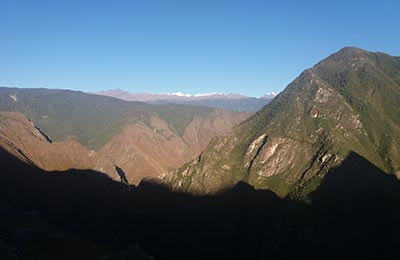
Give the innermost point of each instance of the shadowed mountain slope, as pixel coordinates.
(347, 102)
(352, 215)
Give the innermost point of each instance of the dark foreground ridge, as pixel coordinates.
(85, 215)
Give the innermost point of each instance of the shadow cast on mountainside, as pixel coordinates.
(352, 215)
(358, 206)
(121, 174)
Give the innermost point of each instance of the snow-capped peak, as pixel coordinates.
(208, 94)
(270, 95)
(180, 94)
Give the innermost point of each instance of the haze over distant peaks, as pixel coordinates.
(123, 94)
(232, 101)
(211, 94)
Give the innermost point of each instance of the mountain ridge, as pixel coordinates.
(234, 102)
(59, 130)
(323, 114)
(146, 96)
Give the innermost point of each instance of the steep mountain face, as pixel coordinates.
(347, 102)
(59, 130)
(232, 102)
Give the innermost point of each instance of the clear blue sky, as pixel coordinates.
(249, 47)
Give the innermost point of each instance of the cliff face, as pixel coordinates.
(347, 102)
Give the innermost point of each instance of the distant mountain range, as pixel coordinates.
(234, 102)
(62, 129)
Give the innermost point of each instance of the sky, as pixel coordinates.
(248, 47)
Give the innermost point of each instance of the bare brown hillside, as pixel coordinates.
(140, 150)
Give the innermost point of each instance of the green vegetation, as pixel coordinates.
(91, 120)
(179, 116)
(302, 189)
(347, 102)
